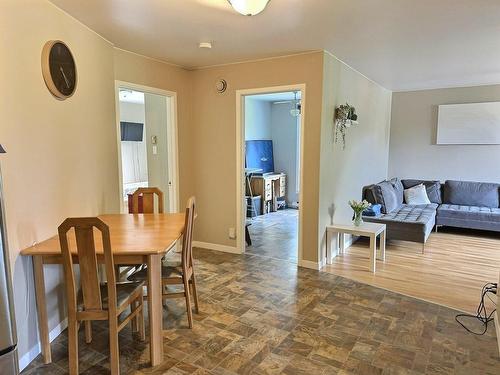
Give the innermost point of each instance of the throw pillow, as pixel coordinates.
(432, 187)
(385, 195)
(398, 187)
(416, 195)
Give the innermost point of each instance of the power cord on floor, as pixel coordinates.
(482, 314)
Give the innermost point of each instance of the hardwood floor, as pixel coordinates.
(261, 316)
(275, 235)
(455, 266)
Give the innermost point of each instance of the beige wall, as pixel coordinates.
(61, 155)
(213, 137)
(413, 150)
(133, 68)
(365, 158)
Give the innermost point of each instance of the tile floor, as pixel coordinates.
(275, 235)
(264, 316)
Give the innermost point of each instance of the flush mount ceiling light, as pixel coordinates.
(248, 7)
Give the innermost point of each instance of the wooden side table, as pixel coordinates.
(372, 230)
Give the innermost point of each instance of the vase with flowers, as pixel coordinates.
(358, 207)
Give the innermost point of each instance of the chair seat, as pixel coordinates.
(123, 292)
(168, 270)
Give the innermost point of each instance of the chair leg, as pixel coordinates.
(88, 331)
(114, 353)
(135, 322)
(188, 302)
(73, 345)
(195, 294)
(140, 320)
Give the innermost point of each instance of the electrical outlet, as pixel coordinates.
(232, 233)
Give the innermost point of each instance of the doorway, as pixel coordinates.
(147, 142)
(270, 171)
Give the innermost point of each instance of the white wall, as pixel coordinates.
(257, 119)
(343, 173)
(267, 120)
(156, 123)
(134, 158)
(284, 136)
(413, 149)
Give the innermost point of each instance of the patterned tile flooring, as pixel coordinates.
(275, 235)
(265, 316)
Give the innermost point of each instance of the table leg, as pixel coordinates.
(329, 247)
(41, 307)
(382, 245)
(373, 252)
(341, 243)
(155, 309)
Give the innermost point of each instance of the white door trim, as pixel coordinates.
(172, 139)
(240, 158)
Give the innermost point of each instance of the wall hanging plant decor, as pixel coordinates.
(345, 116)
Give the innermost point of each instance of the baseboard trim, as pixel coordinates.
(29, 357)
(310, 264)
(216, 247)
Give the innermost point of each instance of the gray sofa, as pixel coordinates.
(461, 204)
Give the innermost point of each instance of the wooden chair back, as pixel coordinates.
(187, 243)
(87, 259)
(148, 200)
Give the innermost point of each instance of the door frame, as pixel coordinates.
(240, 159)
(172, 140)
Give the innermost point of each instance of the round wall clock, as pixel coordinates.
(58, 69)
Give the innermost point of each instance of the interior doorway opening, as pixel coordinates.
(271, 140)
(147, 142)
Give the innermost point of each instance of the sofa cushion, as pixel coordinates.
(408, 222)
(466, 193)
(433, 188)
(474, 217)
(399, 189)
(384, 194)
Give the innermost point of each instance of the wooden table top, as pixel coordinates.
(140, 234)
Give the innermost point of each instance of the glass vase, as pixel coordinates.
(358, 218)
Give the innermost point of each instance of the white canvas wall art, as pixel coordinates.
(469, 124)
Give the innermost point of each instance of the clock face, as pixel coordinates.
(59, 69)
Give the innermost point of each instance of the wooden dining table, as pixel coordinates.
(135, 239)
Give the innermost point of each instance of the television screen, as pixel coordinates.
(131, 131)
(259, 154)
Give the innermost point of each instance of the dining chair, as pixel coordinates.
(94, 300)
(145, 206)
(148, 200)
(180, 273)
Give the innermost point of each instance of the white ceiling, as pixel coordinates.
(401, 44)
(275, 97)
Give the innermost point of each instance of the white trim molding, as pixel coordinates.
(216, 247)
(240, 159)
(172, 135)
(30, 356)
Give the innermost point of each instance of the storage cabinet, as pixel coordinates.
(270, 187)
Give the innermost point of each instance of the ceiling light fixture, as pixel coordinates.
(249, 7)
